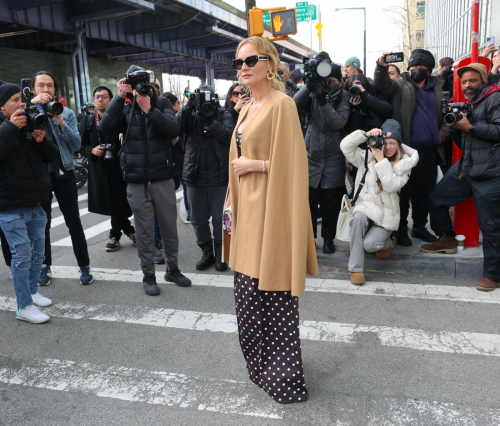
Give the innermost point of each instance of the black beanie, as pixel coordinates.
(171, 97)
(422, 57)
(392, 129)
(7, 90)
(207, 88)
(322, 56)
(336, 72)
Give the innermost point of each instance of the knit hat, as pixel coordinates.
(7, 90)
(296, 73)
(171, 97)
(207, 88)
(480, 68)
(392, 129)
(422, 57)
(322, 56)
(336, 72)
(353, 62)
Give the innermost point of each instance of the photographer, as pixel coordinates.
(63, 130)
(477, 174)
(107, 190)
(24, 185)
(328, 113)
(416, 98)
(205, 173)
(235, 100)
(352, 66)
(146, 158)
(87, 109)
(385, 169)
(369, 109)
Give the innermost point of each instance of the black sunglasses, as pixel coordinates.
(251, 61)
(236, 93)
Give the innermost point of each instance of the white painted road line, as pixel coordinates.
(131, 384)
(462, 343)
(60, 219)
(179, 194)
(82, 197)
(412, 291)
(89, 233)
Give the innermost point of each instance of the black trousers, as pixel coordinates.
(418, 190)
(7, 255)
(67, 196)
(119, 224)
(331, 201)
(486, 192)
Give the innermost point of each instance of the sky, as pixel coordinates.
(342, 31)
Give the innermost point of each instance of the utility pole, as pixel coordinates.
(249, 4)
(321, 38)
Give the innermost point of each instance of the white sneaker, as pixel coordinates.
(31, 314)
(40, 300)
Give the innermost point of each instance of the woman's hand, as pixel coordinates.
(241, 103)
(488, 50)
(373, 132)
(356, 101)
(98, 151)
(241, 166)
(377, 153)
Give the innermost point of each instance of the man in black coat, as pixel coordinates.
(205, 174)
(24, 187)
(107, 190)
(477, 174)
(147, 163)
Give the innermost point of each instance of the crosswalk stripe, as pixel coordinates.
(132, 384)
(89, 233)
(442, 341)
(60, 219)
(412, 291)
(82, 197)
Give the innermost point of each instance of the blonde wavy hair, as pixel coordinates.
(265, 47)
(393, 160)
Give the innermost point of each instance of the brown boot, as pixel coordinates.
(357, 278)
(384, 254)
(443, 245)
(487, 285)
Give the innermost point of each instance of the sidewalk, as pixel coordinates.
(465, 264)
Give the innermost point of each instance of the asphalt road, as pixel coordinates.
(402, 350)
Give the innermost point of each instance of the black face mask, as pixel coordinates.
(419, 74)
(334, 87)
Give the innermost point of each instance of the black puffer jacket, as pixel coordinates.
(481, 155)
(147, 154)
(206, 159)
(24, 181)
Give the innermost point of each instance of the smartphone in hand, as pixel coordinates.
(394, 57)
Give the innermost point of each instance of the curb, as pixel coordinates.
(405, 264)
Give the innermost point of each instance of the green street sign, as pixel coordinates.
(301, 3)
(304, 11)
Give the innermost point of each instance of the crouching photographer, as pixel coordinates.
(476, 129)
(327, 108)
(207, 131)
(107, 190)
(383, 169)
(146, 157)
(24, 185)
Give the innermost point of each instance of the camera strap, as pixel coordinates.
(362, 183)
(129, 119)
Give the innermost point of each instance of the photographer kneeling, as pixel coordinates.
(107, 190)
(207, 132)
(382, 172)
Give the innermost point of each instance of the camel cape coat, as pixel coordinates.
(272, 237)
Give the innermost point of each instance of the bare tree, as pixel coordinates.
(174, 85)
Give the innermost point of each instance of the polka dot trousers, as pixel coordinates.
(268, 324)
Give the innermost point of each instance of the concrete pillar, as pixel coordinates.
(495, 20)
(210, 71)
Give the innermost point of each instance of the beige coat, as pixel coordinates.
(272, 237)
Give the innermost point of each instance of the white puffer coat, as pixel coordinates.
(381, 207)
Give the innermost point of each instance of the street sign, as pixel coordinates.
(301, 4)
(304, 12)
(319, 26)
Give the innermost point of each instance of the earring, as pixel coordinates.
(269, 75)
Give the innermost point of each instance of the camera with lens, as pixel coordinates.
(354, 91)
(35, 118)
(317, 71)
(206, 104)
(108, 152)
(87, 107)
(454, 112)
(141, 81)
(375, 141)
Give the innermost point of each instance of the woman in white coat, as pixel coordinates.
(376, 211)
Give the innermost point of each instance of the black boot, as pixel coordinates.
(328, 246)
(150, 286)
(219, 264)
(403, 239)
(207, 258)
(422, 233)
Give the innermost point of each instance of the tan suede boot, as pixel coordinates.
(443, 245)
(487, 285)
(384, 254)
(357, 278)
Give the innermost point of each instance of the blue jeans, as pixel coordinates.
(24, 229)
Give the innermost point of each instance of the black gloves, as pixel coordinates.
(206, 120)
(309, 85)
(321, 98)
(191, 105)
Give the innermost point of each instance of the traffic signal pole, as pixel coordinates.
(249, 4)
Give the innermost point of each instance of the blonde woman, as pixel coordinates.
(271, 246)
(376, 209)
